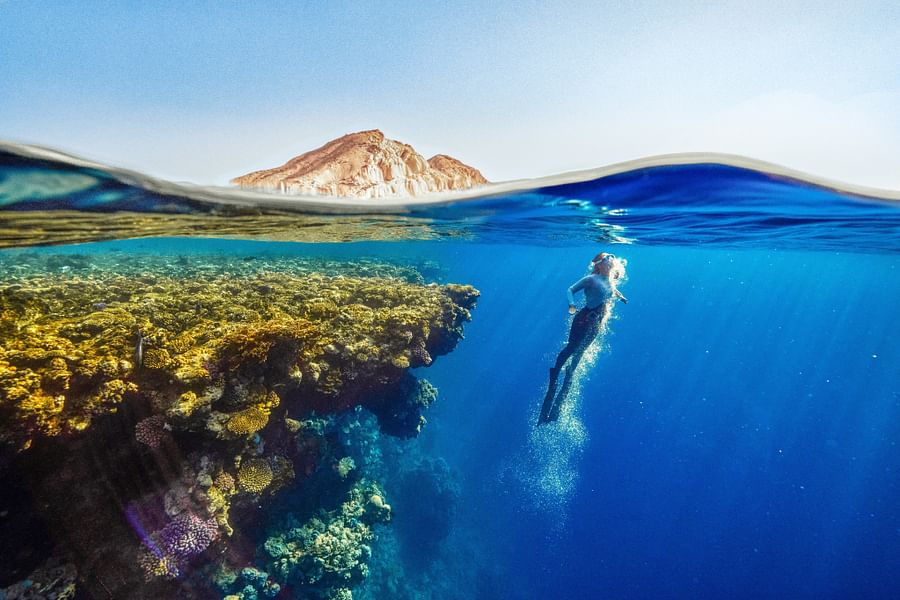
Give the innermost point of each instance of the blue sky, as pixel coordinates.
(204, 91)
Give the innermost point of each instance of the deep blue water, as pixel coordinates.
(737, 434)
(741, 430)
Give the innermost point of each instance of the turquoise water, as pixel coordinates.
(734, 433)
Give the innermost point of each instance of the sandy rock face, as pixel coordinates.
(364, 165)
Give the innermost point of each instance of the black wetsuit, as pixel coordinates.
(585, 327)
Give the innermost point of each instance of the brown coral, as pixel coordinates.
(150, 431)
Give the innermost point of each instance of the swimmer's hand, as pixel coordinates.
(572, 309)
(621, 297)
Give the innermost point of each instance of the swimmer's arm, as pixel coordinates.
(577, 286)
(615, 290)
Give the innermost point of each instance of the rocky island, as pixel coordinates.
(365, 165)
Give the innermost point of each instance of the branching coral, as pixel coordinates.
(250, 345)
(156, 358)
(167, 551)
(345, 466)
(150, 431)
(158, 565)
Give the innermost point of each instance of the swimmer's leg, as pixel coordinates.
(581, 333)
(564, 354)
(577, 352)
(556, 405)
(547, 406)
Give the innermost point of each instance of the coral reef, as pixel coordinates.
(172, 547)
(321, 536)
(399, 407)
(327, 555)
(247, 421)
(151, 431)
(51, 581)
(195, 345)
(252, 399)
(255, 475)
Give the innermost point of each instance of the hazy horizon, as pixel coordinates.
(207, 92)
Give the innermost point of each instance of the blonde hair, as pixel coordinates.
(616, 266)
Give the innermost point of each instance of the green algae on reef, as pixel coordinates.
(219, 385)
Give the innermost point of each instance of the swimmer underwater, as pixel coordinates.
(600, 289)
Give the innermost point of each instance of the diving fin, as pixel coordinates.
(547, 407)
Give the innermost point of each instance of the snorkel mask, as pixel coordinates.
(616, 265)
(606, 258)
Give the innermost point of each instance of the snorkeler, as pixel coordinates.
(600, 289)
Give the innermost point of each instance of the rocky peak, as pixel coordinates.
(365, 164)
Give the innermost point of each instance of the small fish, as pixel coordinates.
(139, 350)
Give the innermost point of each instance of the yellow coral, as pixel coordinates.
(224, 482)
(158, 566)
(63, 362)
(182, 343)
(255, 475)
(218, 507)
(187, 404)
(189, 368)
(47, 410)
(251, 344)
(247, 421)
(156, 358)
(272, 401)
(109, 393)
(57, 374)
